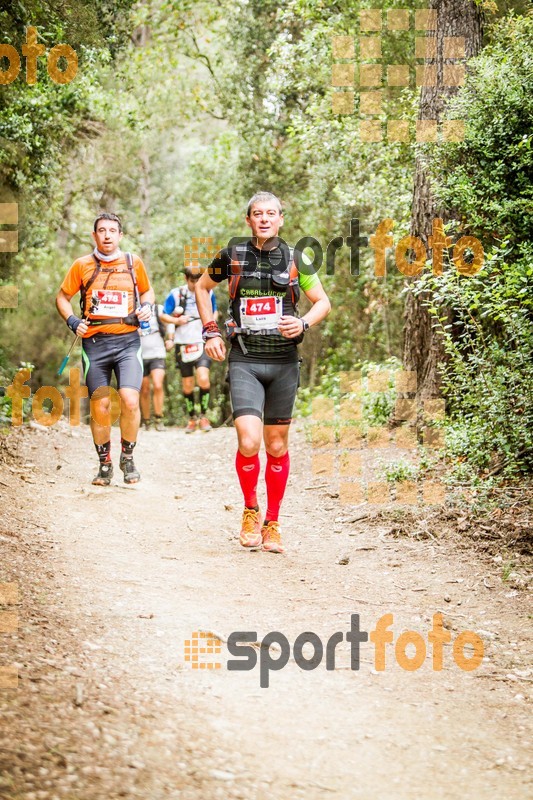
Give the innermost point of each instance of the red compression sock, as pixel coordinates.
(248, 471)
(276, 477)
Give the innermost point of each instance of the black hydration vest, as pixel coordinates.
(280, 281)
(131, 319)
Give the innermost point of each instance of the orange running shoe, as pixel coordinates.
(251, 529)
(204, 424)
(191, 426)
(271, 533)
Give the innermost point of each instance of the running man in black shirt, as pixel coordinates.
(264, 330)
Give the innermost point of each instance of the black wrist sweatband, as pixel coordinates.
(72, 322)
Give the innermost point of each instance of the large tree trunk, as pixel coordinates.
(423, 348)
(145, 200)
(141, 36)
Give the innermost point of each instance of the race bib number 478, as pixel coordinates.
(109, 303)
(260, 313)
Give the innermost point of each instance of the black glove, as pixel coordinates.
(73, 322)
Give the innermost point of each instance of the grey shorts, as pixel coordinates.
(106, 353)
(266, 391)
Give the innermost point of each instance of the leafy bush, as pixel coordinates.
(486, 179)
(377, 406)
(488, 379)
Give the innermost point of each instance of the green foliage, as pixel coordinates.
(398, 471)
(485, 182)
(6, 376)
(376, 407)
(486, 179)
(181, 110)
(488, 378)
(507, 570)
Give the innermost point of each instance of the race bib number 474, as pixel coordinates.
(261, 313)
(109, 303)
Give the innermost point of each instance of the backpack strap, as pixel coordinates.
(160, 325)
(84, 288)
(236, 270)
(294, 281)
(234, 278)
(129, 262)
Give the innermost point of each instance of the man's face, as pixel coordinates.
(265, 220)
(192, 281)
(107, 236)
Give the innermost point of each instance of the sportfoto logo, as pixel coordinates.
(60, 54)
(374, 75)
(9, 623)
(410, 254)
(273, 652)
(18, 391)
(9, 243)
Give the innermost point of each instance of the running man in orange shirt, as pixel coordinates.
(115, 297)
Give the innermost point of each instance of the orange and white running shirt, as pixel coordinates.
(113, 287)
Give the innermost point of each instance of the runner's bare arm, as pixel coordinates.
(321, 305)
(178, 319)
(215, 347)
(290, 327)
(203, 299)
(64, 306)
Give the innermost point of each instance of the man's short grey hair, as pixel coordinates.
(263, 197)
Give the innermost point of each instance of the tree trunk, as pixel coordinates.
(423, 347)
(141, 37)
(145, 200)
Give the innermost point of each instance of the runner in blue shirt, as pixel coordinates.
(180, 310)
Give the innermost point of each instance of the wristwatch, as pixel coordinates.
(305, 325)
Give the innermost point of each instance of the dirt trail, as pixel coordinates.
(114, 581)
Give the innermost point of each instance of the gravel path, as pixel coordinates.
(113, 582)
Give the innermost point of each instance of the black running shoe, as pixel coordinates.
(105, 473)
(131, 473)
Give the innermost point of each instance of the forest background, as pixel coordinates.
(180, 111)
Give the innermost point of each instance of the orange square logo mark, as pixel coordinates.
(376, 28)
(343, 47)
(199, 649)
(201, 248)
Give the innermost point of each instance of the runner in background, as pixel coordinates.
(181, 311)
(154, 363)
(264, 281)
(115, 296)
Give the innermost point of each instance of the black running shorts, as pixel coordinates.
(187, 369)
(263, 390)
(106, 353)
(150, 364)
